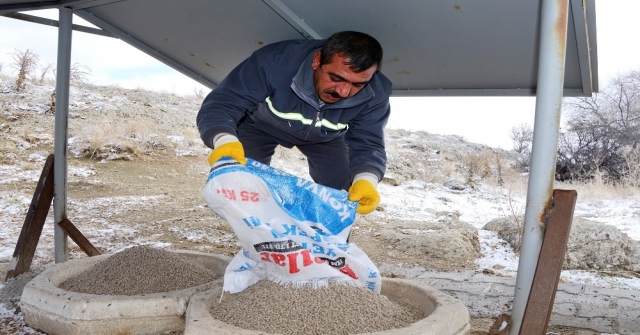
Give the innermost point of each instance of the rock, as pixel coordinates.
(507, 228)
(391, 179)
(592, 245)
(456, 242)
(598, 246)
(107, 107)
(454, 185)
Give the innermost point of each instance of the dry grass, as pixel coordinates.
(191, 134)
(598, 189)
(448, 169)
(477, 165)
(139, 128)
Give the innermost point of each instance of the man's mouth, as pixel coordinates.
(334, 95)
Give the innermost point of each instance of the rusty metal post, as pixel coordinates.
(33, 223)
(79, 238)
(554, 247)
(551, 68)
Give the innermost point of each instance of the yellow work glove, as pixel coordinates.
(364, 191)
(227, 146)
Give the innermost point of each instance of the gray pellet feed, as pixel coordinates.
(139, 270)
(336, 309)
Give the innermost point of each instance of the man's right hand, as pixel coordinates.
(227, 146)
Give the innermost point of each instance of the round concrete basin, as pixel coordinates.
(54, 311)
(445, 315)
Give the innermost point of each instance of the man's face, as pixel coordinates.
(335, 81)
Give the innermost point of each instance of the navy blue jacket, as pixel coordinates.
(274, 87)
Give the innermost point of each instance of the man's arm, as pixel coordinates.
(239, 93)
(365, 138)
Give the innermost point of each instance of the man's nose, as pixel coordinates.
(343, 90)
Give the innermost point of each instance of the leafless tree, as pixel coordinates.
(25, 62)
(199, 92)
(79, 73)
(44, 70)
(522, 136)
(500, 162)
(599, 130)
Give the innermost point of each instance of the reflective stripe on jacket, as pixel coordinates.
(274, 87)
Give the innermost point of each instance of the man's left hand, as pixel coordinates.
(366, 194)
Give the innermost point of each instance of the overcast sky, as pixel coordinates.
(483, 119)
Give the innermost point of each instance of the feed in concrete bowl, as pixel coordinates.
(444, 315)
(48, 308)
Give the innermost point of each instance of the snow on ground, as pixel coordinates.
(622, 213)
(417, 200)
(411, 200)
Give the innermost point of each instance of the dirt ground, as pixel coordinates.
(107, 208)
(148, 194)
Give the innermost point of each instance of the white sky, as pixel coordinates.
(483, 119)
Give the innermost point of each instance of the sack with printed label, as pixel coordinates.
(292, 230)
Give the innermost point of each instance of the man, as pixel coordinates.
(325, 97)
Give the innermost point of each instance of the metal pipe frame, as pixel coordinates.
(483, 92)
(551, 68)
(293, 19)
(61, 248)
(54, 23)
(579, 13)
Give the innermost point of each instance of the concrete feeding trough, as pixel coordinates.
(55, 311)
(445, 315)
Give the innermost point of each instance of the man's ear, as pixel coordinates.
(316, 60)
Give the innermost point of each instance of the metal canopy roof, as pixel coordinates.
(432, 48)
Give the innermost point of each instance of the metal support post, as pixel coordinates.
(61, 130)
(551, 68)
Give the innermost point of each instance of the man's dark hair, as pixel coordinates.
(361, 50)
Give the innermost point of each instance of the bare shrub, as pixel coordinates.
(52, 106)
(516, 212)
(631, 169)
(477, 165)
(44, 70)
(138, 128)
(500, 164)
(599, 130)
(25, 62)
(522, 136)
(448, 168)
(79, 73)
(199, 92)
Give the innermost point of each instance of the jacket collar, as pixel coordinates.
(302, 85)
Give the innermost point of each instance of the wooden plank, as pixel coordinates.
(78, 238)
(33, 223)
(545, 281)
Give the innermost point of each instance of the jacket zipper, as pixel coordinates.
(312, 126)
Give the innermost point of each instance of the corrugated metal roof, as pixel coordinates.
(432, 48)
